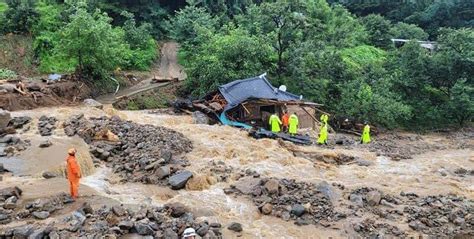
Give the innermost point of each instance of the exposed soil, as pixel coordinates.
(43, 95)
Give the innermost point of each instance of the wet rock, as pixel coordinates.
(143, 228)
(461, 171)
(176, 209)
(169, 233)
(118, 210)
(373, 198)
(48, 175)
(19, 122)
(200, 118)
(5, 118)
(93, 103)
(357, 200)
(45, 144)
(76, 222)
(179, 180)
(10, 203)
(267, 209)
(41, 215)
(416, 225)
(46, 125)
(235, 226)
(247, 185)
(37, 234)
(23, 232)
(202, 231)
(10, 191)
(326, 190)
(272, 186)
(302, 221)
(125, 225)
(298, 210)
(163, 172)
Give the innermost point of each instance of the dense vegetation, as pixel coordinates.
(336, 52)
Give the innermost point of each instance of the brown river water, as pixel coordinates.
(232, 146)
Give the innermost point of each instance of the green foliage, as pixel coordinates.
(3, 7)
(19, 17)
(379, 30)
(358, 57)
(6, 74)
(403, 30)
(226, 57)
(187, 24)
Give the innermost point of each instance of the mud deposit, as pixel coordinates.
(230, 185)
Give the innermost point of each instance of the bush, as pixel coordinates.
(6, 74)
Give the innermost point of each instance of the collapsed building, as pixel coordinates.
(249, 103)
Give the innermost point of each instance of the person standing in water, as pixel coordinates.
(73, 172)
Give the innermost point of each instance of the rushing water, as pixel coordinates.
(422, 174)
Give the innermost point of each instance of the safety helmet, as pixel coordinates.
(189, 232)
(71, 151)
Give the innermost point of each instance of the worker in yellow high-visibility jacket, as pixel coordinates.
(323, 134)
(275, 123)
(324, 118)
(293, 124)
(365, 139)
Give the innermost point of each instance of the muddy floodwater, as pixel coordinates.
(427, 173)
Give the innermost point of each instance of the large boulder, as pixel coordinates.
(176, 209)
(5, 118)
(246, 185)
(272, 186)
(93, 103)
(143, 228)
(41, 215)
(5, 193)
(373, 198)
(200, 118)
(179, 180)
(19, 122)
(298, 210)
(235, 226)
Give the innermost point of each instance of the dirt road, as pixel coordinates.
(166, 67)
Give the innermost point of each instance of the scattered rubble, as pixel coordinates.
(306, 203)
(112, 222)
(138, 153)
(46, 125)
(369, 228)
(19, 122)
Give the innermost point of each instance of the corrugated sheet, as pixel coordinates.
(239, 91)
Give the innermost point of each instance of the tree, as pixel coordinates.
(378, 29)
(20, 16)
(403, 30)
(461, 103)
(226, 57)
(91, 42)
(186, 24)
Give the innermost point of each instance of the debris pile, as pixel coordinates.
(138, 153)
(441, 216)
(19, 122)
(46, 125)
(8, 199)
(106, 221)
(369, 228)
(305, 203)
(11, 145)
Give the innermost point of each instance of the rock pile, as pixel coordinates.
(8, 199)
(46, 125)
(138, 153)
(369, 228)
(115, 221)
(437, 216)
(306, 203)
(441, 216)
(12, 144)
(19, 122)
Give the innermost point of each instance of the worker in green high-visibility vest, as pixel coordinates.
(275, 123)
(365, 138)
(323, 134)
(293, 124)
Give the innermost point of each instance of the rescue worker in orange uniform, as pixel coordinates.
(73, 172)
(285, 119)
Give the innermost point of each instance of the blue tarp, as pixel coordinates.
(258, 87)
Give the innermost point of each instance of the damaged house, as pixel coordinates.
(250, 102)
